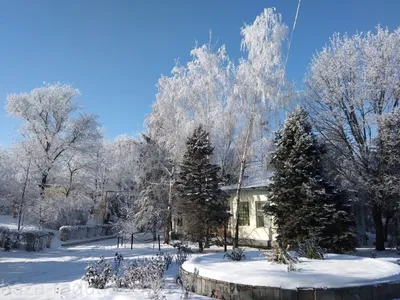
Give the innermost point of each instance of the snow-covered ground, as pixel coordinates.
(56, 273)
(334, 271)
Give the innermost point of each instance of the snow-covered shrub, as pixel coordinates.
(237, 254)
(37, 240)
(62, 212)
(83, 232)
(156, 290)
(34, 240)
(142, 272)
(182, 248)
(4, 232)
(98, 275)
(310, 249)
(168, 258)
(49, 239)
(282, 256)
(181, 257)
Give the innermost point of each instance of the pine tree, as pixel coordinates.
(305, 204)
(201, 203)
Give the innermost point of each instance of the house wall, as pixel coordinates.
(252, 235)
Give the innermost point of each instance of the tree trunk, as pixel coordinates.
(21, 204)
(385, 228)
(380, 239)
(154, 231)
(168, 224)
(207, 241)
(201, 248)
(241, 173)
(42, 195)
(240, 181)
(166, 230)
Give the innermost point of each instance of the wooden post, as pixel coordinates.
(122, 241)
(159, 244)
(118, 242)
(225, 229)
(131, 241)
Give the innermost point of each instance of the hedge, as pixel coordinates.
(32, 240)
(85, 231)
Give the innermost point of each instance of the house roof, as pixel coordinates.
(252, 181)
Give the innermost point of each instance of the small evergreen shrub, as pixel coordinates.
(282, 256)
(237, 254)
(310, 249)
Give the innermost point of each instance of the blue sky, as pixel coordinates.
(115, 51)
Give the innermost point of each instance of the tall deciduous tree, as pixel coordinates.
(258, 86)
(53, 126)
(352, 83)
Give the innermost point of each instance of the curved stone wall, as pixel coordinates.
(226, 290)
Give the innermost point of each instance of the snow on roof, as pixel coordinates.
(253, 180)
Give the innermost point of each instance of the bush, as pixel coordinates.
(282, 256)
(237, 254)
(34, 240)
(61, 212)
(98, 275)
(83, 232)
(141, 273)
(310, 249)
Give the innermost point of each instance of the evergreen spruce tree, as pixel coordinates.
(202, 204)
(304, 203)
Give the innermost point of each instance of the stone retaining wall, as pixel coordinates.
(232, 291)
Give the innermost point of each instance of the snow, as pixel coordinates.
(56, 273)
(335, 271)
(12, 223)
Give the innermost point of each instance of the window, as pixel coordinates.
(260, 215)
(244, 218)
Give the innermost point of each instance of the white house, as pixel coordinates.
(255, 228)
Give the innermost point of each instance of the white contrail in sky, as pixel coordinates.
(294, 27)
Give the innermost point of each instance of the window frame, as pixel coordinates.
(260, 213)
(244, 213)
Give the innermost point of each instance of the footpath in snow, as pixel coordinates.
(56, 272)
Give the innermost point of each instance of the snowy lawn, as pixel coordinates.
(334, 271)
(56, 273)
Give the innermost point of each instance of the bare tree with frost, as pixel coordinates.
(352, 85)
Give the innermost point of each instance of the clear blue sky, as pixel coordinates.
(115, 51)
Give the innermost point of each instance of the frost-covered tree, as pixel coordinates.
(123, 171)
(258, 87)
(388, 165)
(53, 128)
(304, 203)
(151, 208)
(198, 93)
(351, 84)
(234, 103)
(201, 203)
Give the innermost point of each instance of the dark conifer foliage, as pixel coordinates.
(305, 203)
(202, 204)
